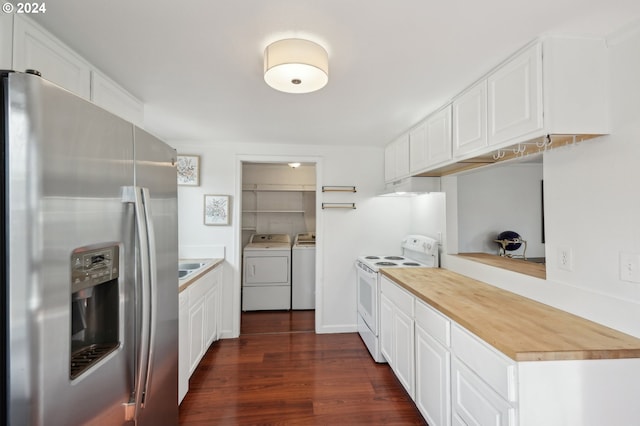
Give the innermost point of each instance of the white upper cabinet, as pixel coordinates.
(34, 48)
(418, 150)
(430, 141)
(553, 86)
(470, 120)
(396, 159)
(6, 35)
(576, 86)
(110, 96)
(515, 97)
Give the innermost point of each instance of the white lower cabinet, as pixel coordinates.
(453, 377)
(212, 305)
(474, 402)
(199, 323)
(183, 344)
(433, 365)
(196, 333)
(460, 379)
(398, 333)
(386, 329)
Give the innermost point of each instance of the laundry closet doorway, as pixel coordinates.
(279, 204)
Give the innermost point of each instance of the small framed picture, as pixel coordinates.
(216, 209)
(189, 170)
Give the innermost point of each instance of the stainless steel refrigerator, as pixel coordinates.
(89, 276)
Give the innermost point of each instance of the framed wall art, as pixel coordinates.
(189, 170)
(216, 209)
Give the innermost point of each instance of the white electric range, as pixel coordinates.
(417, 251)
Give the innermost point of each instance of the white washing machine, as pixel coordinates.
(303, 276)
(266, 278)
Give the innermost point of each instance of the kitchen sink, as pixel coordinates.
(182, 273)
(190, 266)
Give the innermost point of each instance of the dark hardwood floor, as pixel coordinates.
(280, 372)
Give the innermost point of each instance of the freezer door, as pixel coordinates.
(67, 162)
(155, 171)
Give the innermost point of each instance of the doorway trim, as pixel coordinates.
(237, 218)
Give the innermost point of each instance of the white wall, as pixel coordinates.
(427, 216)
(592, 207)
(343, 235)
(500, 198)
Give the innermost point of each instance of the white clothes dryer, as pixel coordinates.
(266, 278)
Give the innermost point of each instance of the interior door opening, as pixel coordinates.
(278, 230)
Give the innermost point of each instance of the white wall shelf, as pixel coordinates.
(277, 187)
(338, 189)
(273, 211)
(351, 206)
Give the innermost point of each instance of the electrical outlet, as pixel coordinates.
(630, 267)
(565, 260)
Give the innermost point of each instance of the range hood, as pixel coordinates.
(411, 186)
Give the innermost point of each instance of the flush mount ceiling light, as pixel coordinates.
(294, 165)
(295, 65)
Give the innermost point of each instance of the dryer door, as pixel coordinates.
(266, 270)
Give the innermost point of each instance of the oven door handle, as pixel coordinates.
(366, 271)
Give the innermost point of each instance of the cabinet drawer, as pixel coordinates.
(434, 323)
(475, 403)
(198, 289)
(400, 298)
(497, 370)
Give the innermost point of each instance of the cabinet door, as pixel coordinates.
(396, 159)
(211, 316)
(403, 348)
(402, 156)
(418, 151)
(433, 379)
(438, 129)
(515, 97)
(470, 120)
(6, 36)
(386, 330)
(389, 162)
(183, 344)
(475, 402)
(108, 95)
(34, 48)
(196, 334)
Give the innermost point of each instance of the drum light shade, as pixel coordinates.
(296, 66)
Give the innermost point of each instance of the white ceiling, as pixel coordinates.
(197, 64)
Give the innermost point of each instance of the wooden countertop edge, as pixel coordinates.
(184, 284)
(522, 355)
(520, 266)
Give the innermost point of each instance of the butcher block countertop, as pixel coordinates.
(521, 328)
(537, 270)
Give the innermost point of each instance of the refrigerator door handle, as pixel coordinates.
(134, 195)
(153, 284)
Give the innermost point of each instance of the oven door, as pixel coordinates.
(368, 297)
